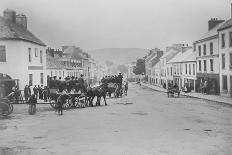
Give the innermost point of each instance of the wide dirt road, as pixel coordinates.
(145, 122)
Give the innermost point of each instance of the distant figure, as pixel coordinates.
(32, 104)
(27, 92)
(35, 90)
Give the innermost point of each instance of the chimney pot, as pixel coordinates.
(21, 19)
(10, 15)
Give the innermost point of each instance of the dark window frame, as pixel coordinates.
(223, 44)
(205, 65)
(199, 50)
(2, 53)
(211, 65)
(223, 61)
(211, 48)
(204, 49)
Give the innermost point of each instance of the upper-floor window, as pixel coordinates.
(29, 54)
(205, 65)
(41, 57)
(211, 64)
(190, 69)
(2, 53)
(223, 40)
(230, 39)
(223, 61)
(211, 48)
(186, 69)
(199, 64)
(199, 50)
(230, 61)
(193, 69)
(41, 78)
(36, 52)
(204, 49)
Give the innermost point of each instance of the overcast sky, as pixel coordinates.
(92, 24)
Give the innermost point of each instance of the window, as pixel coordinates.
(2, 53)
(41, 57)
(189, 69)
(224, 82)
(204, 65)
(186, 69)
(199, 50)
(36, 52)
(29, 54)
(223, 61)
(223, 40)
(51, 73)
(211, 64)
(211, 48)
(193, 69)
(30, 80)
(41, 78)
(230, 39)
(171, 71)
(230, 61)
(199, 64)
(204, 49)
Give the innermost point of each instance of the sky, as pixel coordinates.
(94, 24)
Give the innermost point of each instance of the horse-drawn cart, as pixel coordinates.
(172, 91)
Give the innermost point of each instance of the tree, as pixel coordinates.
(122, 69)
(140, 67)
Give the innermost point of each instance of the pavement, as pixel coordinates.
(145, 122)
(214, 98)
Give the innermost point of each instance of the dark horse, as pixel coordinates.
(99, 92)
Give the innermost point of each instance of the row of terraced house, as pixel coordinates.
(208, 59)
(25, 58)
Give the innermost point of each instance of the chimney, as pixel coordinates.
(213, 22)
(10, 15)
(21, 20)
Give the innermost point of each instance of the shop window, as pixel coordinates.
(189, 69)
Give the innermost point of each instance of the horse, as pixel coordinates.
(98, 92)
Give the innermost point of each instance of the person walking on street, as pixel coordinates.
(35, 90)
(27, 92)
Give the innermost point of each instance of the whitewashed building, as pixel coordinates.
(207, 58)
(225, 58)
(184, 69)
(22, 54)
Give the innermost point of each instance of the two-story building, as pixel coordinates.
(184, 69)
(207, 58)
(225, 57)
(22, 54)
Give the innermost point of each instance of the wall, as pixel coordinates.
(17, 62)
(227, 71)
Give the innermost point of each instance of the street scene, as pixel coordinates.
(144, 122)
(121, 77)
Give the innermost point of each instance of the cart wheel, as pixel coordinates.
(52, 103)
(5, 108)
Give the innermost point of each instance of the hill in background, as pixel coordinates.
(118, 55)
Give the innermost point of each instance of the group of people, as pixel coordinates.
(204, 87)
(39, 92)
(113, 79)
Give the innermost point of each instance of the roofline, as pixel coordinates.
(206, 39)
(220, 29)
(23, 40)
(180, 62)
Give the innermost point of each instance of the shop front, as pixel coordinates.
(213, 85)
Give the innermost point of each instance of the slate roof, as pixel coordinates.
(10, 30)
(226, 25)
(187, 56)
